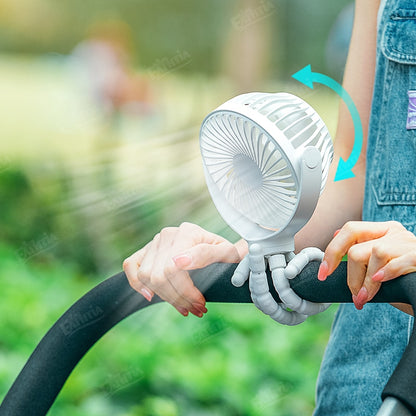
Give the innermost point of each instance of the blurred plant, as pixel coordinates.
(300, 28)
(24, 216)
(40, 229)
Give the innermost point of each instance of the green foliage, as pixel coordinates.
(42, 230)
(22, 213)
(234, 361)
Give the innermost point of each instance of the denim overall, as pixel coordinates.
(365, 346)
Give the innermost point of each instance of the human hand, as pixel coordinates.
(377, 252)
(161, 266)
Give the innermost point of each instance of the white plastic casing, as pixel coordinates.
(266, 159)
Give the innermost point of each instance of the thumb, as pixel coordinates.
(205, 254)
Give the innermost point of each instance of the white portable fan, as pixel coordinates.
(266, 159)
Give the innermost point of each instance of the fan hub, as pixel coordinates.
(247, 171)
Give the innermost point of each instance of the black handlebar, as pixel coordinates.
(53, 360)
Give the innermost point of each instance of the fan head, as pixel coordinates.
(254, 148)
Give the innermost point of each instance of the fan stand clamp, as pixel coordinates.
(284, 267)
(276, 252)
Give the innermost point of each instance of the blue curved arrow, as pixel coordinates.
(307, 77)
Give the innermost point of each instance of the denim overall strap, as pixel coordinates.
(365, 346)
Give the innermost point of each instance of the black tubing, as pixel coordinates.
(53, 360)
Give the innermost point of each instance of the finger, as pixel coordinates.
(179, 285)
(183, 285)
(378, 259)
(209, 237)
(151, 273)
(353, 232)
(196, 248)
(174, 240)
(132, 263)
(144, 262)
(184, 239)
(396, 267)
(197, 234)
(131, 266)
(358, 256)
(204, 254)
(144, 291)
(172, 285)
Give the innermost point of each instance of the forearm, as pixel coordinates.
(342, 201)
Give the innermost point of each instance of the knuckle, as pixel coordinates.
(378, 251)
(157, 281)
(170, 270)
(167, 231)
(409, 259)
(185, 226)
(395, 224)
(410, 235)
(349, 226)
(126, 263)
(143, 276)
(354, 253)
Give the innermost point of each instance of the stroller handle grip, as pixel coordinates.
(83, 324)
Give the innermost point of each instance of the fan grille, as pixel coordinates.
(249, 169)
(296, 119)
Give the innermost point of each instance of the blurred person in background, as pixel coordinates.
(104, 63)
(365, 344)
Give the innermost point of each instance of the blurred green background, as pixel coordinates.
(100, 107)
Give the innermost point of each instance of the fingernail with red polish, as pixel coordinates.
(354, 300)
(356, 303)
(183, 311)
(182, 260)
(378, 277)
(199, 307)
(337, 232)
(323, 271)
(197, 313)
(147, 295)
(362, 296)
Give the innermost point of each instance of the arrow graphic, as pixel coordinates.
(307, 77)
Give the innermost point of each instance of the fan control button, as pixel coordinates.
(311, 157)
